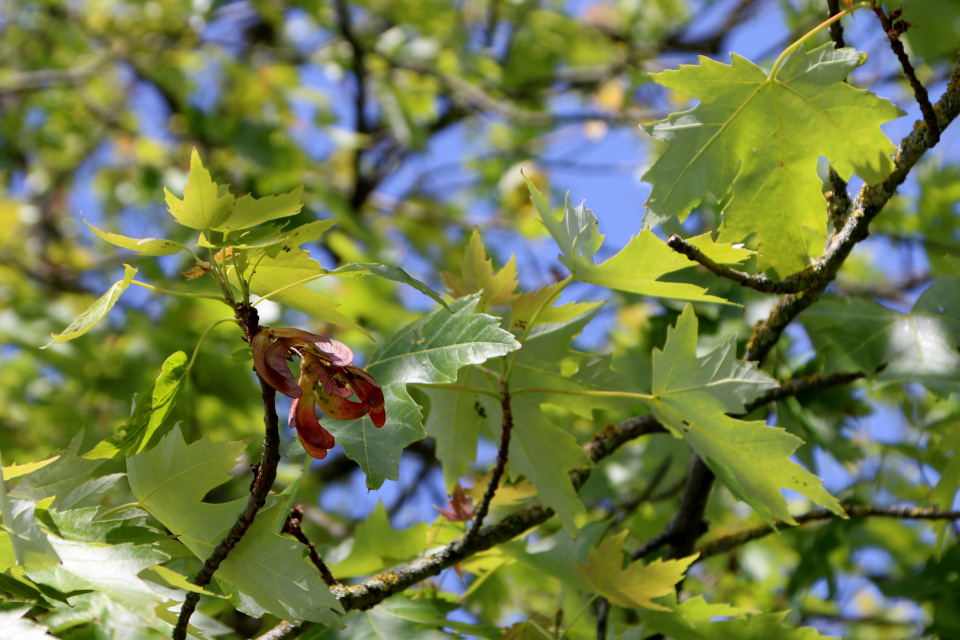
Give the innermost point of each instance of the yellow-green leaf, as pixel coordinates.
(205, 205)
(146, 246)
(478, 275)
(89, 318)
(250, 211)
(636, 585)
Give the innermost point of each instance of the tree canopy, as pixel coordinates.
(309, 330)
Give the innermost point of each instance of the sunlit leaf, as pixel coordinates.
(759, 140)
(205, 205)
(635, 585)
(89, 318)
(477, 275)
(146, 246)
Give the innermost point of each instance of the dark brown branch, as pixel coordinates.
(836, 29)
(807, 384)
(360, 189)
(732, 541)
(894, 30)
(292, 526)
(759, 283)
(266, 475)
(502, 454)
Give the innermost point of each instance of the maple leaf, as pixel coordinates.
(460, 508)
(478, 274)
(636, 585)
(757, 139)
(639, 266)
(692, 397)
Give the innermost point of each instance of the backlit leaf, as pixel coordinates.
(89, 318)
(249, 211)
(758, 140)
(477, 275)
(205, 205)
(635, 585)
(146, 246)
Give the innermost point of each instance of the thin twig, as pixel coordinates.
(894, 30)
(292, 526)
(502, 454)
(806, 384)
(732, 541)
(759, 283)
(266, 475)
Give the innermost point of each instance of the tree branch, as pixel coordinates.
(292, 526)
(836, 29)
(894, 30)
(732, 541)
(44, 78)
(502, 455)
(360, 189)
(759, 283)
(266, 475)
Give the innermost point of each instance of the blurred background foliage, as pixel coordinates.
(409, 121)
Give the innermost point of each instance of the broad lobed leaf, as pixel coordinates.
(758, 140)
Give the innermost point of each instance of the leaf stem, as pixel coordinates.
(823, 25)
(533, 320)
(196, 349)
(459, 387)
(287, 286)
(182, 294)
(578, 616)
(586, 392)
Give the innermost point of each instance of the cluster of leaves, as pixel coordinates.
(104, 537)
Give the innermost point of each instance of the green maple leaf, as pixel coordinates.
(153, 408)
(285, 279)
(692, 397)
(249, 211)
(145, 246)
(636, 585)
(638, 267)
(170, 482)
(110, 569)
(429, 350)
(401, 618)
(97, 311)
(454, 422)
(527, 304)
(478, 275)
(205, 205)
(696, 619)
(855, 334)
(369, 554)
(758, 140)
